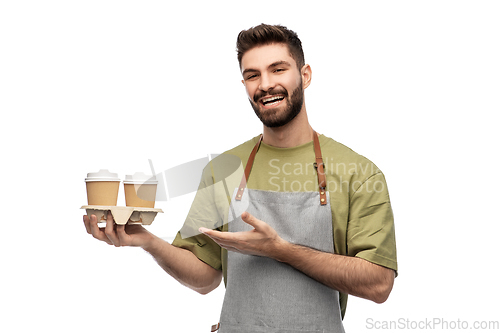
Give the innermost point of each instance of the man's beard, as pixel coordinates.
(277, 117)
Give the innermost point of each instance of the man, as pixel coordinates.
(309, 223)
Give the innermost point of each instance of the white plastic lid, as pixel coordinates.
(140, 178)
(102, 176)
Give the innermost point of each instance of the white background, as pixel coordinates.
(85, 85)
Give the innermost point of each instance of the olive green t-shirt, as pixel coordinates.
(362, 218)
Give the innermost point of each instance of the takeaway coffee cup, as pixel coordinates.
(140, 190)
(102, 188)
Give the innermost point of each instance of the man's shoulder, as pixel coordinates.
(340, 157)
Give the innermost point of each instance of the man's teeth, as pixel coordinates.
(273, 99)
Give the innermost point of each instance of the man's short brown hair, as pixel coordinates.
(265, 34)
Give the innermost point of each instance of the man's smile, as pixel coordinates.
(271, 101)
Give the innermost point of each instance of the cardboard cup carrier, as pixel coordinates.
(140, 190)
(102, 188)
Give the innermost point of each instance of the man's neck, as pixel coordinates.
(297, 132)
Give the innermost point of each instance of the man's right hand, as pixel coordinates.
(117, 235)
(180, 263)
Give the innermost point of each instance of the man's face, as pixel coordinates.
(273, 83)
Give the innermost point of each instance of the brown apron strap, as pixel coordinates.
(320, 168)
(248, 168)
(215, 327)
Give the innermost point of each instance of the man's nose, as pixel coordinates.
(266, 83)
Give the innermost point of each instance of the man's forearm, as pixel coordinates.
(184, 266)
(350, 275)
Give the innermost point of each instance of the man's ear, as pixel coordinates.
(306, 73)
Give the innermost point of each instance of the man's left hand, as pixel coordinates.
(263, 240)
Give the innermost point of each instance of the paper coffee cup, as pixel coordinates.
(140, 190)
(102, 188)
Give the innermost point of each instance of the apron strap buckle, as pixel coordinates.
(321, 165)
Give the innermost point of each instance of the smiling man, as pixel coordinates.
(297, 235)
(268, 87)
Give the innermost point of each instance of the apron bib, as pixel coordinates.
(264, 295)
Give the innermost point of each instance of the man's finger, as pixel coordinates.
(86, 222)
(210, 232)
(218, 235)
(122, 235)
(251, 220)
(97, 232)
(110, 230)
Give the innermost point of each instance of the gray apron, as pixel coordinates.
(264, 295)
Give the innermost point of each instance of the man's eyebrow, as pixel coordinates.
(274, 64)
(249, 70)
(278, 63)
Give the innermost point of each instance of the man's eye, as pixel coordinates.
(251, 77)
